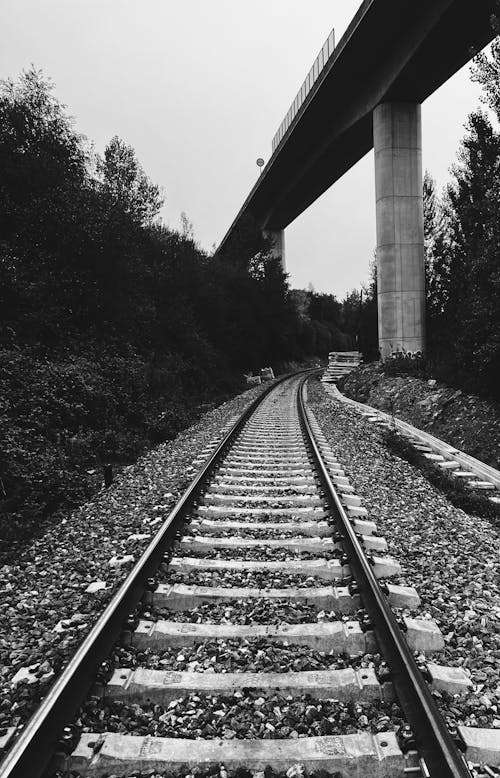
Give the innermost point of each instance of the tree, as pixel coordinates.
(187, 229)
(45, 190)
(39, 148)
(465, 318)
(430, 220)
(127, 185)
(486, 69)
(246, 244)
(436, 254)
(368, 325)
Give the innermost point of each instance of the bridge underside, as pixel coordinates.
(393, 51)
(394, 54)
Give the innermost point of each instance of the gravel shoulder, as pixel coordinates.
(46, 611)
(449, 556)
(469, 422)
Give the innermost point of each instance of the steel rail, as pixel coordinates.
(32, 752)
(434, 741)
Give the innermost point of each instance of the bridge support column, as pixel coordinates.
(397, 141)
(278, 244)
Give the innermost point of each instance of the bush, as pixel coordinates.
(113, 328)
(405, 363)
(171, 421)
(64, 415)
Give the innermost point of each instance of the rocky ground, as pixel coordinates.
(257, 579)
(62, 582)
(249, 611)
(243, 715)
(449, 556)
(256, 655)
(466, 421)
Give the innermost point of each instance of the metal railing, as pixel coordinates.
(318, 65)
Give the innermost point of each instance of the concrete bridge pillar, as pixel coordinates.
(397, 141)
(278, 244)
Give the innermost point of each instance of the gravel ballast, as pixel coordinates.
(266, 518)
(445, 554)
(258, 579)
(232, 656)
(255, 611)
(257, 534)
(260, 553)
(449, 556)
(243, 714)
(46, 611)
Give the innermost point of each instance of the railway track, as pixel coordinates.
(258, 633)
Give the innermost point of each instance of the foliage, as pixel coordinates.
(401, 363)
(327, 324)
(360, 317)
(464, 285)
(114, 329)
(486, 68)
(432, 226)
(125, 184)
(66, 414)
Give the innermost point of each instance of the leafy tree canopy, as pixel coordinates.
(126, 184)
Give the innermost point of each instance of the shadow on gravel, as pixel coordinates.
(455, 491)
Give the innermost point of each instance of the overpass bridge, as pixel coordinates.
(366, 93)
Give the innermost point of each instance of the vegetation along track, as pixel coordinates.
(263, 635)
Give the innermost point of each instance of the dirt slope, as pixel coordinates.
(466, 421)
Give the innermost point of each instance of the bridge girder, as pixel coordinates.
(393, 51)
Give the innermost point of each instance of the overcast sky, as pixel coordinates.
(198, 88)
